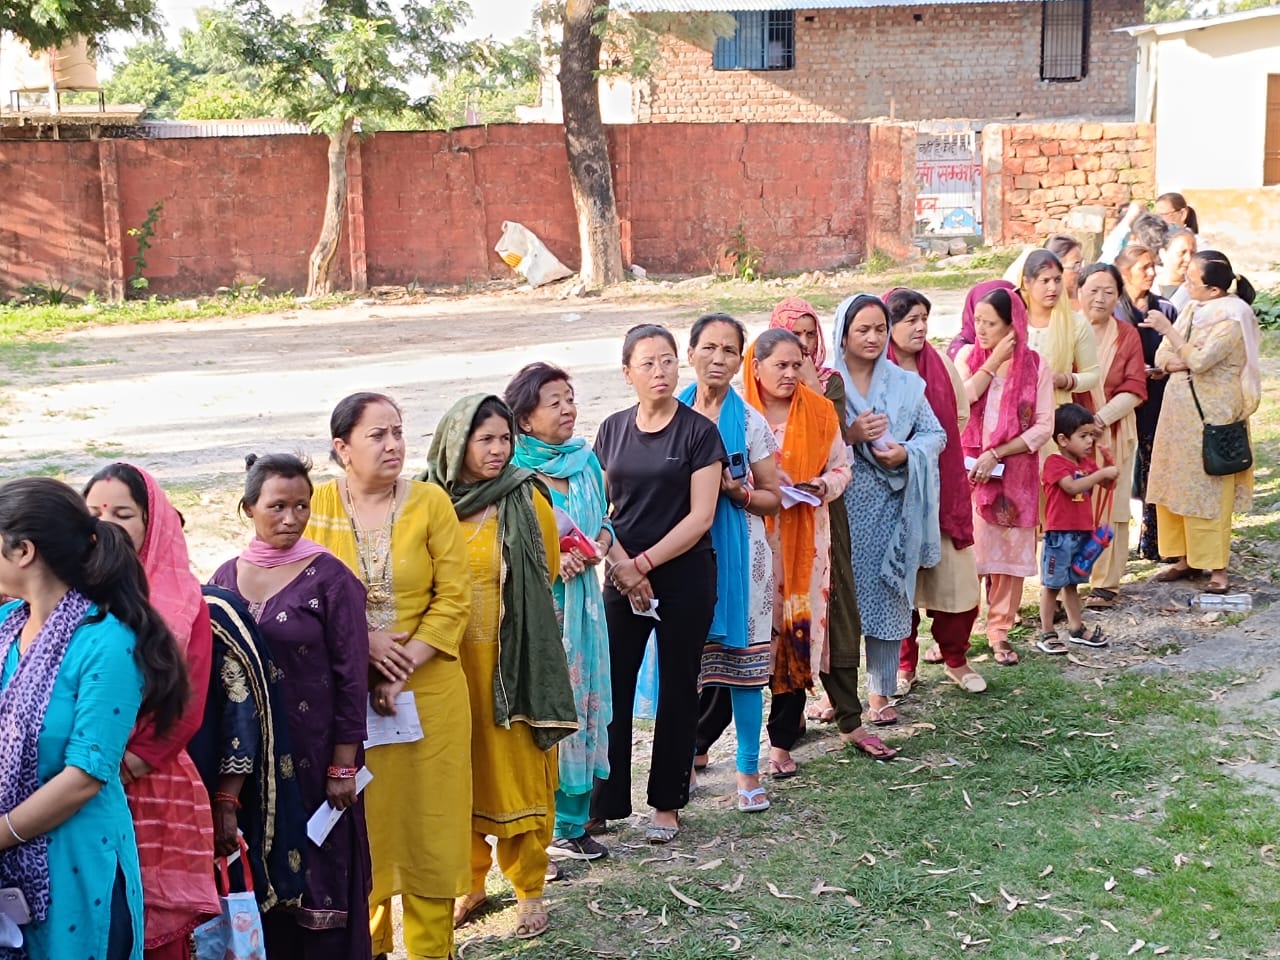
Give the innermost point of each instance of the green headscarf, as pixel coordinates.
(531, 684)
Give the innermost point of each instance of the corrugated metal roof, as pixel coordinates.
(1186, 26)
(188, 129)
(731, 6)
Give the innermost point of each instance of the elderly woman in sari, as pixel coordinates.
(897, 441)
(1137, 268)
(243, 751)
(811, 460)
(522, 701)
(402, 539)
(1010, 394)
(843, 626)
(1213, 356)
(310, 610)
(171, 810)
(736, 657)
(542, 401)
(1124, 388)
(947, 591)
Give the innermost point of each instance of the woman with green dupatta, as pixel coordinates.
(521, 700)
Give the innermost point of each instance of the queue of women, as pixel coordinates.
(779, 536)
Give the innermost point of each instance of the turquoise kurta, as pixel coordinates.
(91, 714)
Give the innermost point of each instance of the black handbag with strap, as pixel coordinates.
(1225, 449)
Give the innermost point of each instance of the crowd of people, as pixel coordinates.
(499, 607)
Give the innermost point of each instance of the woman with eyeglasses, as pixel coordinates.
(662, 463)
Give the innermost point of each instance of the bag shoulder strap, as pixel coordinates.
(1191, 381)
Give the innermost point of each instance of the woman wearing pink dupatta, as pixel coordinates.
(1010, 392)
(170, 806)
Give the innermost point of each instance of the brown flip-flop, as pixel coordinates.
(871, 745)
(1171, 573)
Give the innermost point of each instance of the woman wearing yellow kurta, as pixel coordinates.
(521, 697)
(1215, 345)
(402, 539)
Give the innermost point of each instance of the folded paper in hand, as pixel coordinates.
(996, 471)
(401, 727)
(793, 495)
(651, 612)
(326, 817)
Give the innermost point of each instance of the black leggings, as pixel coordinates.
(686, 592)
(120, 936)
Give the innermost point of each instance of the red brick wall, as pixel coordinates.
(978, 60)
(1036, 173)
(434, 203)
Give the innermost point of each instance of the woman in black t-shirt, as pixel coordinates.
(662, 464)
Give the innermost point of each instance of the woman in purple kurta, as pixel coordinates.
(314, 626)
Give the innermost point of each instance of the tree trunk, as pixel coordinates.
(590, 175)
(320, 263)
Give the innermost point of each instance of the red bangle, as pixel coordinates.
(343, 773)
(221, 797)
(747, 502)
(649, 560)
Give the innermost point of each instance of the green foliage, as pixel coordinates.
(878, 262)
(1267, 307)
(52, 294)
(501, 77)
(1163, 11)
(747, 261)
(142, 235)
(50, 23)
(243, 289)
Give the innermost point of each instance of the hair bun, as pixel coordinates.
(250, 460)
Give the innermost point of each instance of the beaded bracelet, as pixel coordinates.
(231, 798)
(343, 773)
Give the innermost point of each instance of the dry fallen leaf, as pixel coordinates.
(967, 802)
(1060, 940)
(682, 897)
(1159, 951)
(780, 895)
(821, 887)
(1137, 945)
(978, 900)
(711, 864)
(735, 886)
(852, 901)
(1011, 903)
(594, 907)
(868, 858)
(734, 943)
(1109, 925)
(1046, 871)
(1110, 884)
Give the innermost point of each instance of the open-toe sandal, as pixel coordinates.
(1004, 654)
(1088, 638)
(1101, 600)
(531, 918)
(884, 716)
(871, 745)
(1173, 572)
(782, 770)
(464, 908)
(905, 682)
(821, 711)
(1049, 643)
(753, 801)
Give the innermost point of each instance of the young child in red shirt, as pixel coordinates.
(1068, 478)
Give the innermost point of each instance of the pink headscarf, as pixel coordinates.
(966, 334)
(785, 315)
(175, 591)
(1013, 500)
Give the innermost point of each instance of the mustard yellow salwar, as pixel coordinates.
(419, 803)
(513, 781)
(1206, 543)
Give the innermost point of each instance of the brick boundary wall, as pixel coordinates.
(1034, 174)
(428, 207)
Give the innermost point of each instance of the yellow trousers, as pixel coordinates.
(428, 927)
(1205, 543)
(522, 858)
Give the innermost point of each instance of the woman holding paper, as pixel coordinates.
(813, 470)
(401, 538)
(1010, 392)
(522, 702)
(542, 401)
(310, 611)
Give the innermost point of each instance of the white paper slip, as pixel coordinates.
(651, 612)
(323, 820)
(793, 495)
(403, 727)
(997, 470)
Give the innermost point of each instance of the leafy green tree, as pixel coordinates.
(351, 60)
(502, 77)
(50, 23)
(153, 75)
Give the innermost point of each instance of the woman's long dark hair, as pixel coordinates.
(97, 560)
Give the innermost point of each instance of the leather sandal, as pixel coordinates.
(531, 918)
(869, 744)
(465, 908)
(967, 679)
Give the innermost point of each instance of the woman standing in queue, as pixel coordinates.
(844, 629)
(947, 591)
(512, 654)
(542, 402)
(1124, 389)
(1061, 337)
(1213, 356)
(812, 458)
(662, 463)
(735, 659)
(402, 539)
(1010, 392)
(82, 655)
(1138, 272)
(310, 609)
(893, 500)
(171, 809)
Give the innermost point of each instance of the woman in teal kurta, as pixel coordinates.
(91, 714)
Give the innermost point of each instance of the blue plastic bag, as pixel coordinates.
(646, 707)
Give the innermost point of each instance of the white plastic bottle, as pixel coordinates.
(1226, 602)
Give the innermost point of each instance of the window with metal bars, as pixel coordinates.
(764, 40)
(1064, 40)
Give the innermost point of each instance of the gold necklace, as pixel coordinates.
(479, 523)
(373, 552)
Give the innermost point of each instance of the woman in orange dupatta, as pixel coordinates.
(811, 456)
(170, 806)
